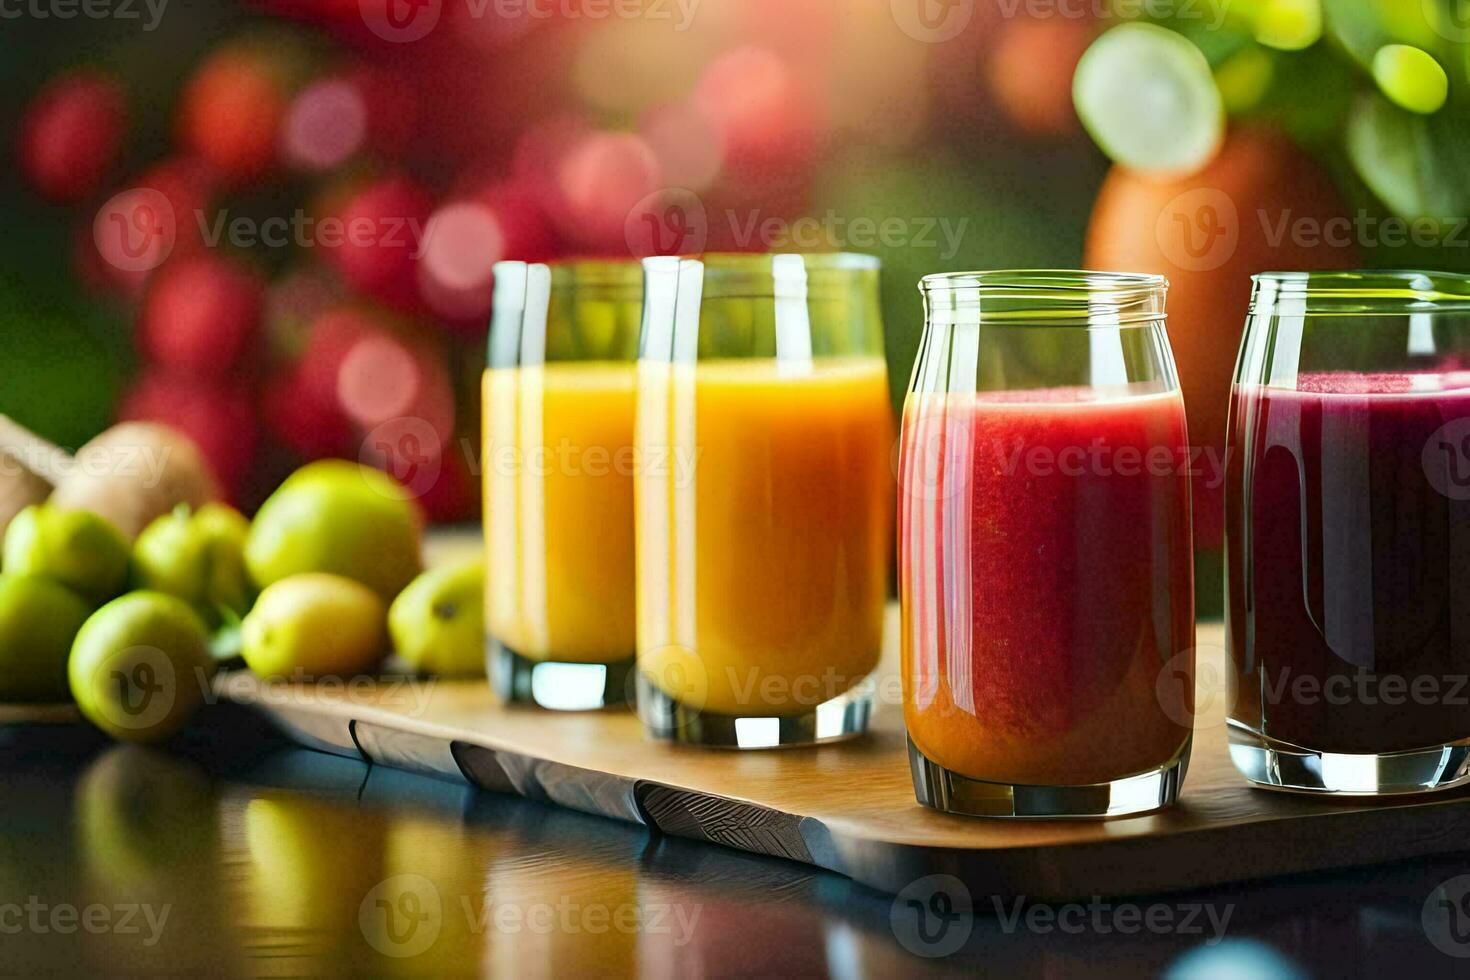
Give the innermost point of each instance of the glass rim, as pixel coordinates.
(734, 262)
(579, 271)
(1360, 292)
(768, 275)
(1042, 279)
(1046, 297)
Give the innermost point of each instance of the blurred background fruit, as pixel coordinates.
(71, 135)
(285, 237)
(1208, 232)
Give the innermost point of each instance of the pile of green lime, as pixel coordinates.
(329, 569)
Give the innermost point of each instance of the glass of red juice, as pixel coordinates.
(1045, 555)
(1348, 534)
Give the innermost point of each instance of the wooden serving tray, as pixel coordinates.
(850, 807)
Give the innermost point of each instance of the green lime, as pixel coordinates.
(1411, 78)
(199, 557)
(140, 666)
(1289, 25)
(313, 625)
(73, 547)
(438, 622)
(38, 622)
(1146, 96)
(338, 517)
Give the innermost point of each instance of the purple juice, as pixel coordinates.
(1348, 535)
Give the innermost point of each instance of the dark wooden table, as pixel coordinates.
(234, 854)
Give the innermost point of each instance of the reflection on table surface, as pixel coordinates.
(235, 853)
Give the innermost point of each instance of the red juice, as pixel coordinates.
(1348, 533)
(1047, 583)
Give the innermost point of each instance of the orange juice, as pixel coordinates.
(764, 518)
(559, 510)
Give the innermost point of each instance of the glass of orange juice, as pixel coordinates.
(764, 497)
(558, 466)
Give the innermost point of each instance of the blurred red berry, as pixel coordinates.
(219, 418)
(688, 142)
(378, 236)
(200, 315)
(325, 125)
(602, 180)
(767, 118)
(190, 188)
(332, 337)
(310, 425)
(384, 378)
(175, 196)
(523, 221)
(539, 151)
(485, 221)
(454, 493)
(393, 110)
(71, 134)
(292, 305)
(231, 111)
(463, 242)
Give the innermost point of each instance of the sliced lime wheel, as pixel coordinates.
(1146, 96)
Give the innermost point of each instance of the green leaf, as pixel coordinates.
(225, 643)
(1403, 161)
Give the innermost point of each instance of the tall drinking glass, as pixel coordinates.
(764, 498)
(1045, 561)
(558, 479)
(1348, 534)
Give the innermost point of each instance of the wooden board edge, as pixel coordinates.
(1182, 861)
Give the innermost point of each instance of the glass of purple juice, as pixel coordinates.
(1348, 534)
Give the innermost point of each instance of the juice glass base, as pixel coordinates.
(557, 685)
(943, 789)
(666, 719)
(1270, 764)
